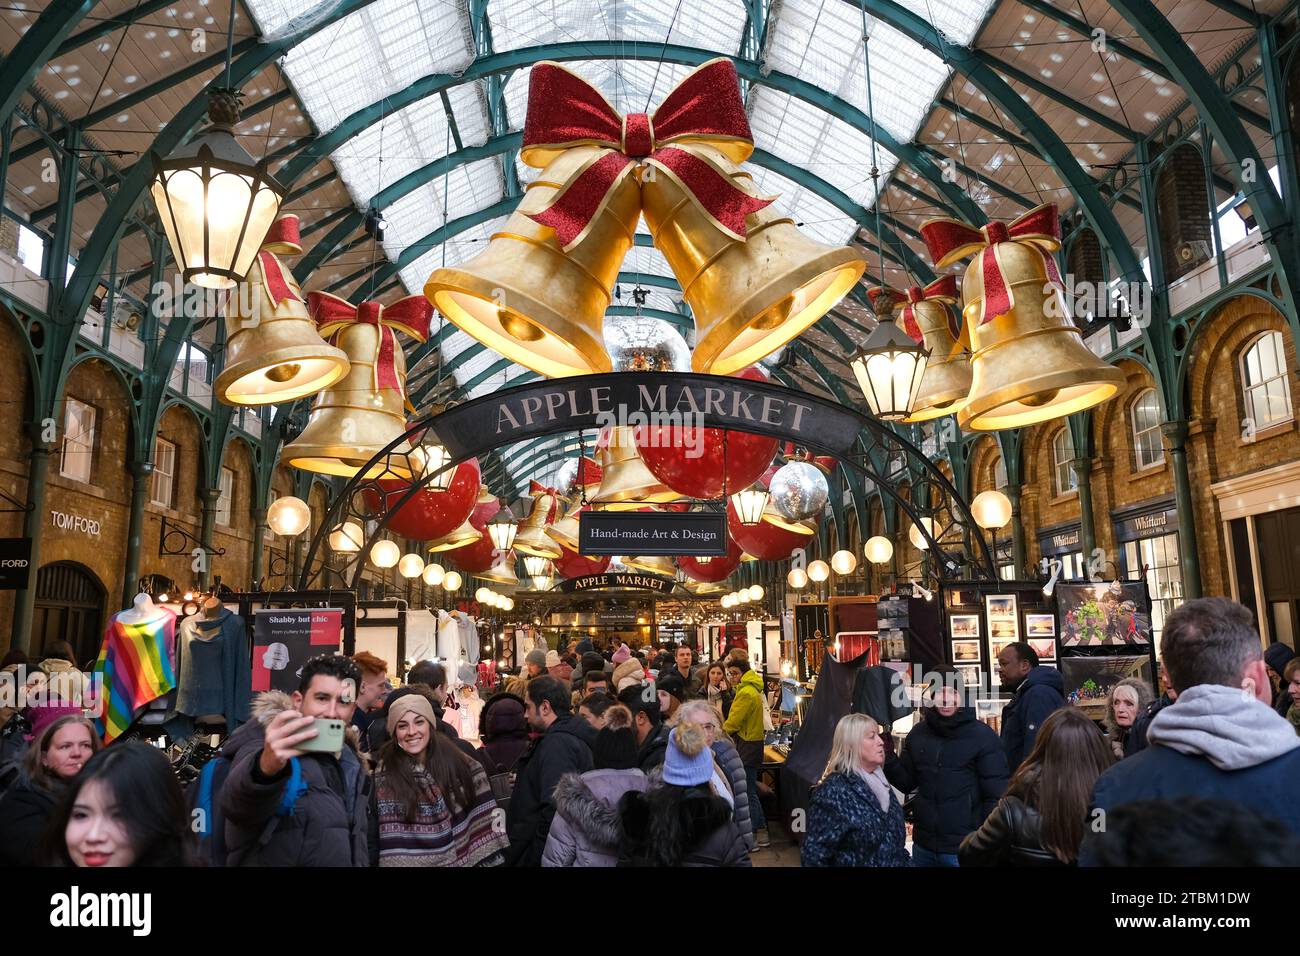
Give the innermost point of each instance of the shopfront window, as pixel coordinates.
(1147, 447)
(226, 497)
(1164, 575)
(78, 450)
(1263, 379)
(1062, 455)
(164, 472)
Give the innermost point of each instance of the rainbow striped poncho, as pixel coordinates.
(135, 665)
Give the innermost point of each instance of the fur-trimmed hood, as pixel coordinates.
(263, 710)
(589, 803)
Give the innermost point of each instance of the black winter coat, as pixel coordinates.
(1035, 699)
(1137, 734)
(564, 748)
(706, 834)
(1009, 837)
(651, 753)
(328, 823)
(957, 769)
(24, 810)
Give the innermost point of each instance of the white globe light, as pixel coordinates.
(914, 535)
(385, 554)
(797, 579)
(452, 581)
(844, 562)
(878, 550)
(756, 592)
(508, 604)
(991, 510)
(819, 571)
(482, 595)
(347, 537)
(288, 516)
(411, 566)
(433, 575)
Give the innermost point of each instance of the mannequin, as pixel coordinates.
(141, 611)
(212, 607)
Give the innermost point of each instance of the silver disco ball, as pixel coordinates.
(799, 490)
(640, 344)
(567, 474)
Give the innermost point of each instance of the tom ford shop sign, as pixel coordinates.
(646, 398)
(15, 563)
(78, 523)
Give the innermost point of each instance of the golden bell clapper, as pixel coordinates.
(532, 538)
(924, 314)
(273, 351)
(1029, 363)
(359, 416)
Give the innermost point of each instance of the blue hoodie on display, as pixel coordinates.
(1040, 693)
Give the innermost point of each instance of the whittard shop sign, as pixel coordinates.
(641, 533)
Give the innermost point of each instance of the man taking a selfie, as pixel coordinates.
(291, 798)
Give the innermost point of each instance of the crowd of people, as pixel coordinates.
(649, 758)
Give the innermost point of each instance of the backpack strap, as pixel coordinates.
(204, 802)
(293, 789)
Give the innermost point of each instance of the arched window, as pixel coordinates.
(1147, 447)
(1062, 455)
(999, 473)
(1263, 381)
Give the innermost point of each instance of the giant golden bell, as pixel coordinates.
(625, 482)
(528, 299)
(653, 564)
(503, 572)
(749, 297)
(532, 538)
(945, 386)
(459, 538)
(1030, 364)
(565, 530)
(351, 422)
(273, 352)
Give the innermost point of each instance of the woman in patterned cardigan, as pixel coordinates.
(430, 805)
(854, 817)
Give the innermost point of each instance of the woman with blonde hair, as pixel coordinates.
(64, 741)
(1126, 700)
(854, 817)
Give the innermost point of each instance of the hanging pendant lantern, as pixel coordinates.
(889, 367)
(749, 505)
(216, 203)
(503, 528)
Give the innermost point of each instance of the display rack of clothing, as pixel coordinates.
(213, 670)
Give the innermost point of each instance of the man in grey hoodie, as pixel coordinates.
(1220, 739)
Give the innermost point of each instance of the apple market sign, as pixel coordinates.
(79, 523)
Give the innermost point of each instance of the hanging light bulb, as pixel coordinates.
(750, 504)
(288, 516)
(216, 204)
(844, 562)
(889, 367)
(411, 566)
(502, 528)
(991, 510)
(756, 592)
(347, 537)
(432, 460)
(451, 581)
(819, 571)
(918, 540)
(797, 579)
(482, 595)
(433, 575)
(878, 549)
(385, 554)
(508, 604)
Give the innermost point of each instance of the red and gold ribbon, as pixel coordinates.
(943, 290)
(950, 240)
(410, 316)
(565, 111)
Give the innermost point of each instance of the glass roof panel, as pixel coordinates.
(821, 41)
(375, 52)
(459, 248)
(420, 212)
(714, 25)
(957, 20)
(815, 217)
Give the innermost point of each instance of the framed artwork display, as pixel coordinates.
(966, 652)
(1044, 647)
(1089, 680)
(1040, 625)
(963, 626)
(1117, 614)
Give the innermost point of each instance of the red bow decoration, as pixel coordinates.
(943, 290)
(565, 111)
(951, 241)
(281, 238)
(537, 490)
(410, 316)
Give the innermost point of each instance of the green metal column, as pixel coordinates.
(1087, 529)
(209, 498)
(259, 544)
(141, 478)
(33, 527)
(1188, 553)
(1018, 555)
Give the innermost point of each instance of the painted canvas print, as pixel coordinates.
(964, 626)
(1044, 647)
(965, 652)
(1040, 625)
(1100, 615)
(1088, 680)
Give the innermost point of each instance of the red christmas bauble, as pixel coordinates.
(718, 569)
(697, 471)
(570, 564)
(474, 558)
(429, 515)
(764, 540)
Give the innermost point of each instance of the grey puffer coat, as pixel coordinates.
(328, 823)
(587, 828)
